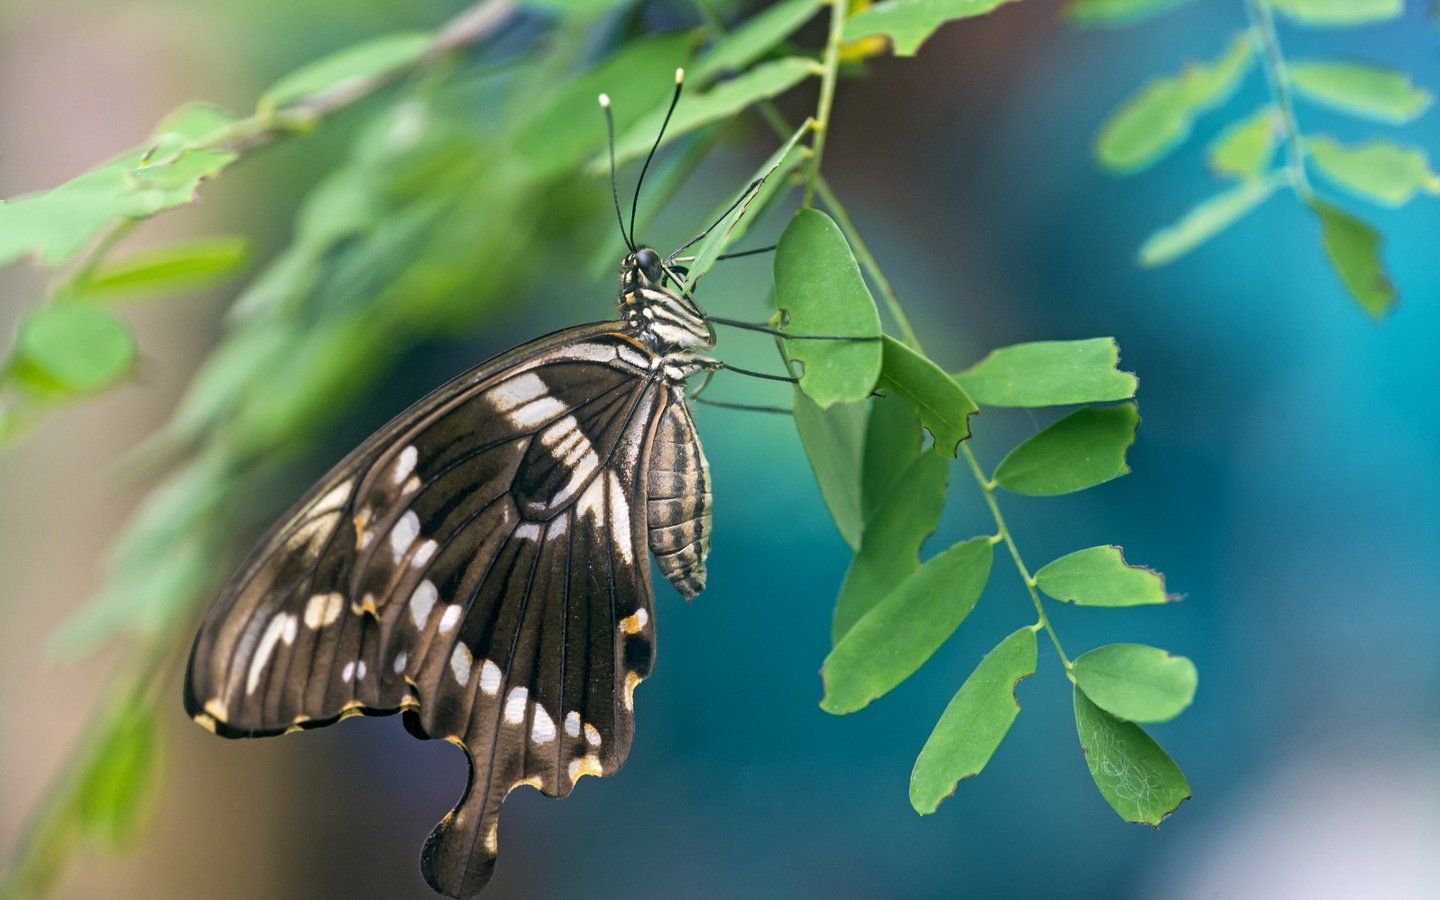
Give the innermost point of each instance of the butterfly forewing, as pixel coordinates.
(480, 563)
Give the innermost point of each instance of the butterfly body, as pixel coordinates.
(480, 564)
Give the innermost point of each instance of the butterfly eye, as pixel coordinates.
(648, 261)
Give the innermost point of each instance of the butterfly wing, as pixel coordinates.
(479, 563)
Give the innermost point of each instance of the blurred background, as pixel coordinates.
(1285, 480)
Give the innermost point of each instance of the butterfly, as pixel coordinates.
(480, 565)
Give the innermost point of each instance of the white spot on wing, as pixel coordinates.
(525, 401)
(542, 729)
(404, 464)
(347, 674)
(568, 444)
(401, 661)
(515, 705)
(333, 499)
(282, 627)
(421, 602)
(632, 624)
(595, 504)
(592, 502)
(620, 519)
(528, 531)
(460, 660)
(360, 670)
(572, 723)
(423, 553)
(490, 678)
(404, 534)
(515, 392)
(592, 735)
(323, 609)
(450, 618)
(492, 840)
(588, 764)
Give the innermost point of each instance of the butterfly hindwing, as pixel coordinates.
(481, 564)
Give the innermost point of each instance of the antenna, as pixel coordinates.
(635, 202)
(614, 188)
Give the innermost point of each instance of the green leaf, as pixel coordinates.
(80, 346)
(1135, 776)
(818, 283)
(1082, 450)
(733, 224)
(181, 266)
(1382, 171)
(1154, 121)
(1354, 250)
(1205, 219)
(892, 443)
(1050, 373)
(1338, 13)
(909, 23)
(192, 125)
(890, 546)
(99, 798)
(551, 139)
(1099, 576)
(343, 69)
(1136, 682)
(57, 224)
(579, 8)
(895, 638)
(1111, 13)
(941, 403)
(112, 790)
(834, 443)
(973, 725)
(759, 34)
(1375, 92)
(724, 101)
(1245, 148)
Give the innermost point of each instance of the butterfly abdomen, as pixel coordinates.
(679, 501)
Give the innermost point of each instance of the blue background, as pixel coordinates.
(1284, 480)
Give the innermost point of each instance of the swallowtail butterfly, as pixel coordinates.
(480, 565)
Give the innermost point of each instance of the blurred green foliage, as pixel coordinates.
(460, 173)
(1158, 118)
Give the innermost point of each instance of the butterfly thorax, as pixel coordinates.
(668, 322)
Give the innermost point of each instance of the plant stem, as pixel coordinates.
(867, 259)
(92, 259)
(862, 250)
(1263, 25)
(827, 95)
(987, 487)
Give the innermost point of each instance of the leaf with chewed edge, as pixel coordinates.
(973, 725)
(941, 403)
(1099, 576)
(1049, 373)
(1135, 776)
(1082, 450)
(909, 23)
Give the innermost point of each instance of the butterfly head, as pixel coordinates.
(643, 267)
(667, 319)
